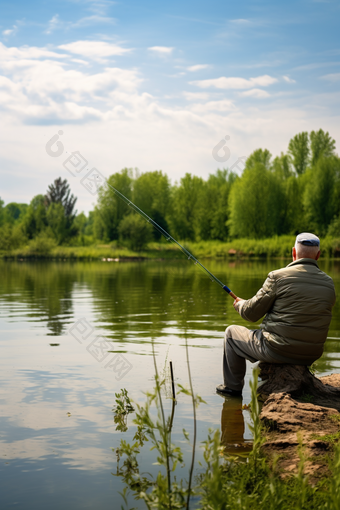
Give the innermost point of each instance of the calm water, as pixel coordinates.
(73, 334)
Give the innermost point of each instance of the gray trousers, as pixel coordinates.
(241, 343)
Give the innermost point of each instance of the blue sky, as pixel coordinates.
(157, 85)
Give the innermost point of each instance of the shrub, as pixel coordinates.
(135, 232)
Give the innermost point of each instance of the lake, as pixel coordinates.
(73, 334)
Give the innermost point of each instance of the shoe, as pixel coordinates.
(228, 392)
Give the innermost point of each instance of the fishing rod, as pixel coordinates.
(170, 238)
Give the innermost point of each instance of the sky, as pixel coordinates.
(172, 86)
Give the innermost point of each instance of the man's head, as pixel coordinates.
(307, 246)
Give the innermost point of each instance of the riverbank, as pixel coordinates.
(278, 246)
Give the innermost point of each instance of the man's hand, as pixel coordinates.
(236, 304)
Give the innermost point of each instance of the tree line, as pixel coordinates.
(296, 191)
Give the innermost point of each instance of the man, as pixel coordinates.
(297, 301)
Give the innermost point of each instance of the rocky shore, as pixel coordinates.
(301, 418)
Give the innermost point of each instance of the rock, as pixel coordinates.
(291, 423)
(297, 380)
(282, 413)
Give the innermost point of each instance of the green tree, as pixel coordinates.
(1, 212)
(110, 210)
(321, 196)
(151, 193)
(321, 145)
(60, 214)
(184, 219)
(262, 156)
(255, 206)
(212, 207)
(135, 231)
(57, 221)
(60, 193)
(282, 167)
(298, 150)
(13, 212)
(35, 220)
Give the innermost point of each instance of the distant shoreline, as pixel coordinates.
(274, 247)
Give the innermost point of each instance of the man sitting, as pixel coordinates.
(297, 301)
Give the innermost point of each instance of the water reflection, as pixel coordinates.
(233, 428)
(56, 426)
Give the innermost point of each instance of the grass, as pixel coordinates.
(277, 246)
(223, 482)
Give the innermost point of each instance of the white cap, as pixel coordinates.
(308, 239)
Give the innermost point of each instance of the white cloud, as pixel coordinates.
(196, 96)
(114, 124)
(288, 80)
(53, 24)
(161, 50)
(331, 77)
(92, 20)
(220, 106)
(41, 88)
(10, 31)
(259, 93)
(236, 83)
(96, 50)
(197, 67)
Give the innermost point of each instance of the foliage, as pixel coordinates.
(60, 193)
(110, 210)
(135, 232)
(122, 409)
(152, 194)
(321, 198)
(224, 482)
(296, 191)
(298, 150)
(11, 237)
(322, 145)
(41, 245)
(255, 203)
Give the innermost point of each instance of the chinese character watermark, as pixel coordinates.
(99, 348)
(76, 164)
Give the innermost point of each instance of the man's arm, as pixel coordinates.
(253, 309)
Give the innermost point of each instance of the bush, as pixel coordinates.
(135, 232)
(11, 238)
(41, 245)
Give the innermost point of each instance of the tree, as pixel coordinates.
(13, 212)
(259, 156)
(298, 150)
(184, 220)
(321, 196)
(255, 206)
(321, 145)
(57, 221)
(60, 193)
(1, 211)
(282, 167)
(110, 209)
(212, 206)
(60, 212)
(35, 220)
(135, 231)
(151, 193)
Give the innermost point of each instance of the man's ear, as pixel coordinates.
(294, 253)
(317, 255)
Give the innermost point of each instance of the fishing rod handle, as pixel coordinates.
(229, 292)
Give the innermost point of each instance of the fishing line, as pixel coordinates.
(168, 237)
